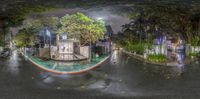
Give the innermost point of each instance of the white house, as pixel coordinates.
(68, 49)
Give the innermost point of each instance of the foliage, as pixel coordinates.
(14, 14)
(132, 43)
(42, 23)
(5, 31)
(82, 27)
(195, 41)
(164, 18)
(25, 37)
(1, 41)
(194, 54)
(77, 26)
(19, 12)
(157, 58)
(139, 48)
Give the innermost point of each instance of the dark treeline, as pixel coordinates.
(152, 19)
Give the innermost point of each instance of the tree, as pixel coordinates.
(25, 37)
(43, 22)
(82, 27)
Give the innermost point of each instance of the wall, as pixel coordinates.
(44, 52)
(66, 47)
(1, 48)
(85, 51)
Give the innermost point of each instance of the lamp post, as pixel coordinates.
(64, 37)
(90, 55)
(49, 35)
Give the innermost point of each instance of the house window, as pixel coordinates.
(63, 48)
(64, 37)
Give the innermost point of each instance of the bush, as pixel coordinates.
(138, 48)
(194, 54)
(157, 58)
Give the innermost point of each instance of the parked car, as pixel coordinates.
(6, 52)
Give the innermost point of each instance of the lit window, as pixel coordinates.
(64, 37)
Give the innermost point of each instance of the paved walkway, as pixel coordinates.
(67, 67)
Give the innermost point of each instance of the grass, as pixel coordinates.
(160, 58)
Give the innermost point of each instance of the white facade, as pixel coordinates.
(66, 47)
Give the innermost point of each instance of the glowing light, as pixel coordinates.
(159, 40)
(64, 36)
(114, 57)
(13, 66)
(100, 18)
(48, 33)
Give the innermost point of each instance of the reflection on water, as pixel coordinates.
(65, 81)
(13, 63)
(166, 72)
(181, 58)
(115, 57)
(128, 76)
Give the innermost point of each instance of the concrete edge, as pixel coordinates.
(59, 72)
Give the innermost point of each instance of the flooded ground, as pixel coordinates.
(122, 78)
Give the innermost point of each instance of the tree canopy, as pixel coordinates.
(165, 17)
(25, 37)
(82, 27)
(78, 26)
(43, 22)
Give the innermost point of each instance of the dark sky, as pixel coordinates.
(11, 4)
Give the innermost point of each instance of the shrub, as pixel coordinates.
(194, 54)
(138, 48)
(157, 58)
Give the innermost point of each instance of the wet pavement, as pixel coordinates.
(121, 77)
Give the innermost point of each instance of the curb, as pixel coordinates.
(74, 72)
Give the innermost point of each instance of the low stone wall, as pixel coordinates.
(44, 52)
(85, 51)
(1, 48)
(141, 58)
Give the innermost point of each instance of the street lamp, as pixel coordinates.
(64, 36)
(99, 18)
(49, 35)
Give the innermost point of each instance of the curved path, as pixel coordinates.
(120, 78)
(74, 69)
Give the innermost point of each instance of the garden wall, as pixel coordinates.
(44, 52)
(1, 48)
(84, 50)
